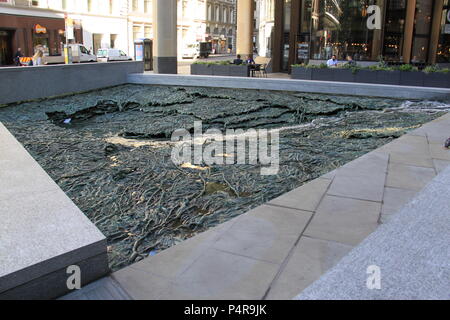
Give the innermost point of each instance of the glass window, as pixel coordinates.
(394, 29)
(443, 51)
(340, 28)
(286, 33)
(266, 28)
(147, 6)
(422, 28)
(147, 32)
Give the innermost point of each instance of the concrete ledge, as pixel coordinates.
(42, 231)
(411, 251)
(28, 83)
(329, 87)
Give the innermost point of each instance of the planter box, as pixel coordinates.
(325, 74)
(301, 73)
(220, 70)
(388, 77)
(201, 69)
(238, 71)
(396, 77)
(411, 78)
(343, 75)
(366, 76)
(436, 79)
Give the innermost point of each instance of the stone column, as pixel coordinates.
(409, 30)
(435, 31)
(165, 36)
(244, 35)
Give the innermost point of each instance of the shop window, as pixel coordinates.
(443, 51)
(422, 28)
(394, 30)
(6, 54)
(266, 28)
(286, 33)
(340, 28)
(112, 41)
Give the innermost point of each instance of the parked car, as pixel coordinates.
(105, 55)
(79, 54)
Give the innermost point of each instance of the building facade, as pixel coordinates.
(110, 24)
(399, 31)
(25, 26)
(220, 24)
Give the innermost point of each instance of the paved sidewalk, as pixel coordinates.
(277, 250)
(412, 253)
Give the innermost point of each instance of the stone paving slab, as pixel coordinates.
(344, 220)
(411, 252)
(409, 177)
(41, 230)
(310, 259)
(265, 233)
(306, 198)
(395, 199)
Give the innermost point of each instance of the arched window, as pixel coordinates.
(209, 13)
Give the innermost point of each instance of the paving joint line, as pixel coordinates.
(291, 251)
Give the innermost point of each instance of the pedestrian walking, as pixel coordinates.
(37, 58)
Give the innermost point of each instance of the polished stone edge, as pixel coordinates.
(165, 65)
(49, 266)
(54, 284)
(307, 86)
(37, 274)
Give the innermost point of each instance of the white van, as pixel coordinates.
(105, 55)
(79, 54)
(191, 51)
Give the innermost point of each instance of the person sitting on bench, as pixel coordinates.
(238, 60)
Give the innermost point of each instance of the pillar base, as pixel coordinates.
(166, 65)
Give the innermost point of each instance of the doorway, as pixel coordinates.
(97, 42)
(6, 54)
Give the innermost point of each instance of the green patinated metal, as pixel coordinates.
(113, 159)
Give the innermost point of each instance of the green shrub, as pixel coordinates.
(435, 68)
(381, 67)
(221, 63)
(310, 66)
(407, 68)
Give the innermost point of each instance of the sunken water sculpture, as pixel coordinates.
(110, 151)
